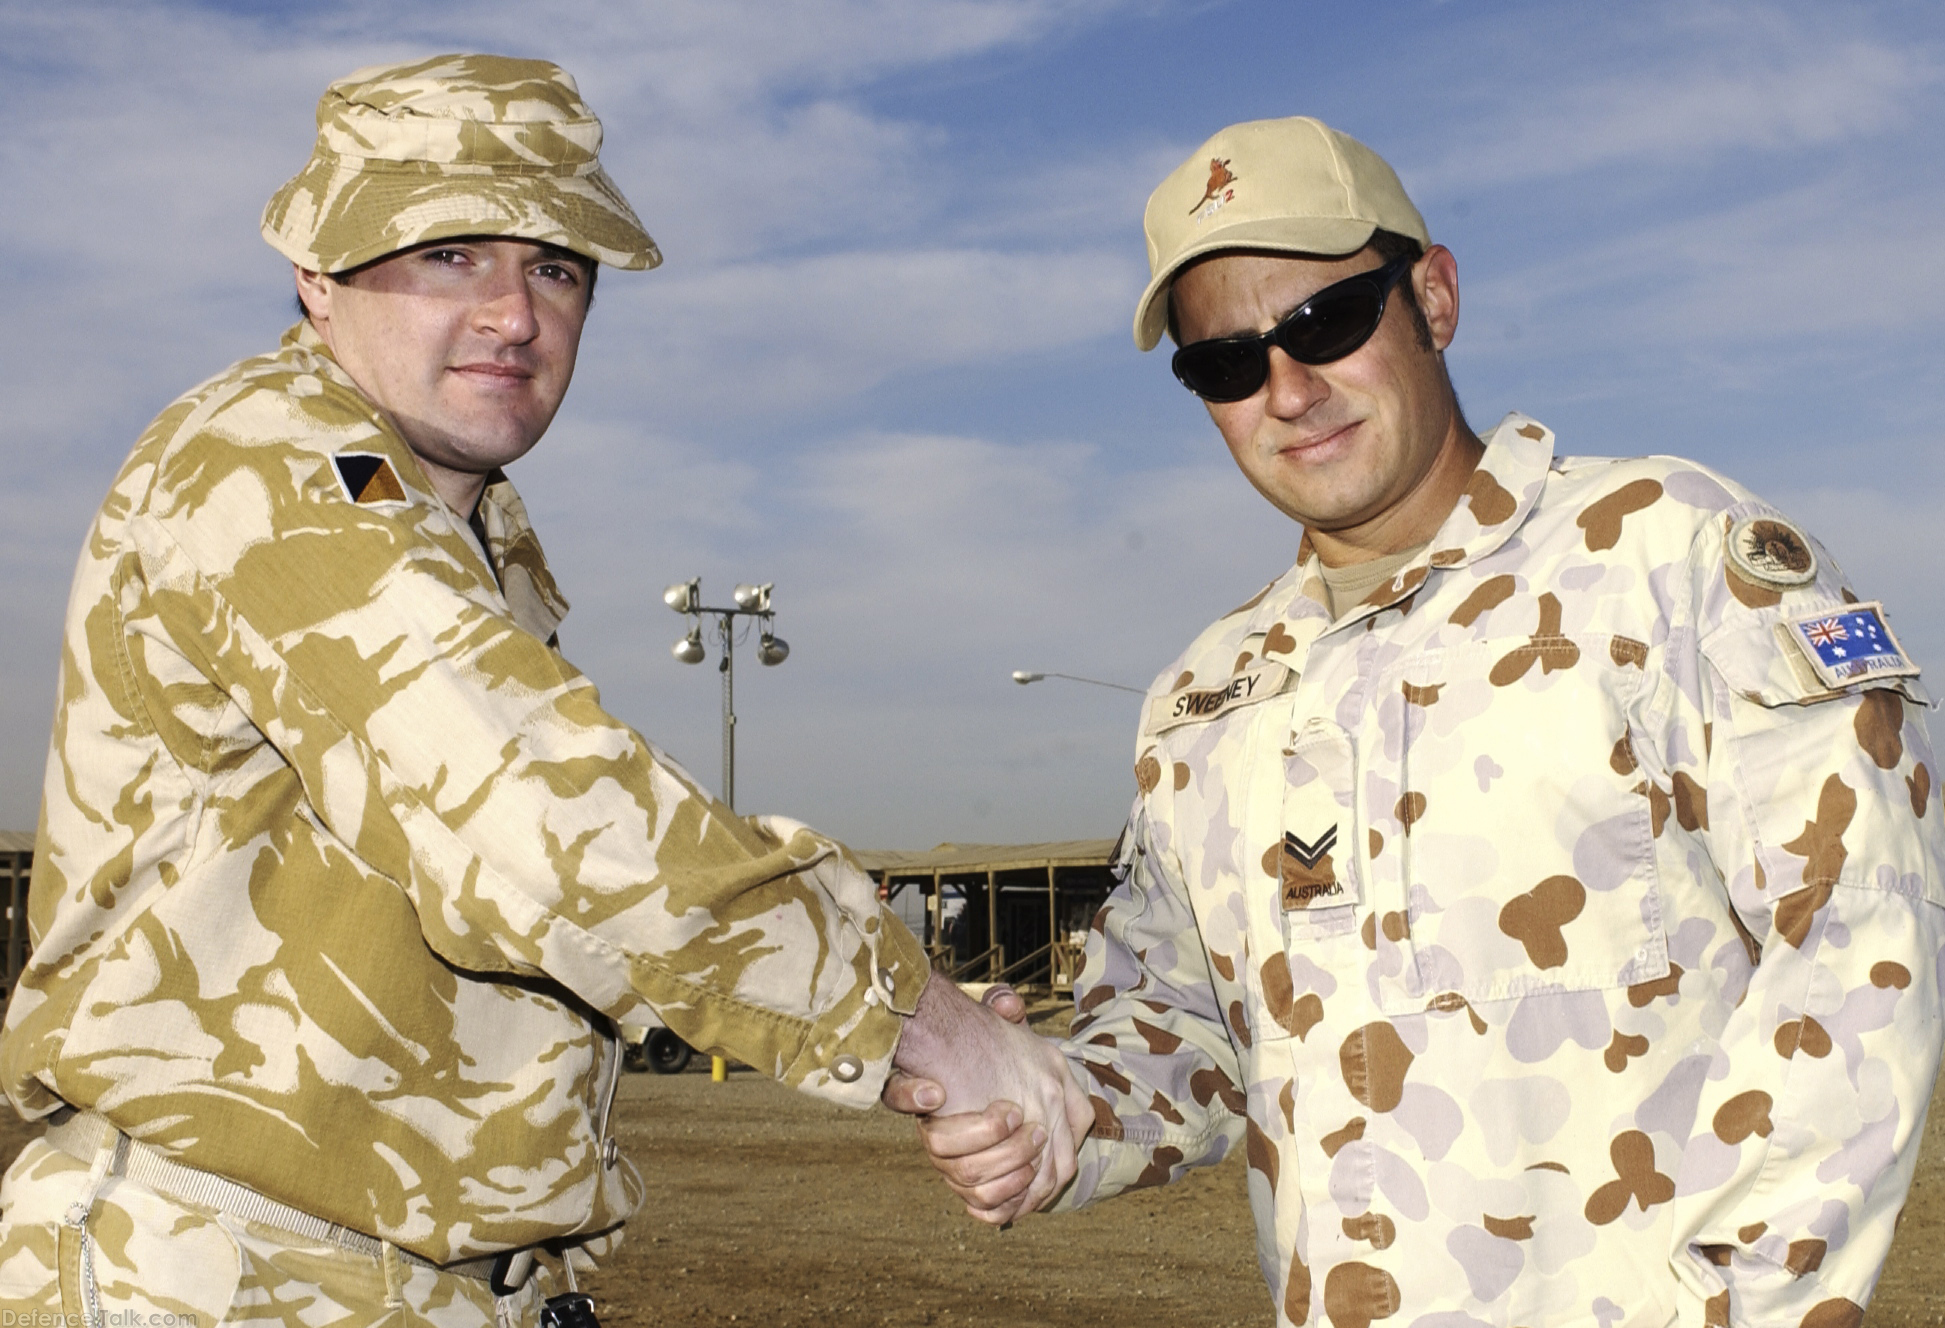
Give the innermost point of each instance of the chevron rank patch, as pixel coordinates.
(1308, 877)
(368, 479)
(1851, 645)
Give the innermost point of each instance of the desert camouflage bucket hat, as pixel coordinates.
(455, 145)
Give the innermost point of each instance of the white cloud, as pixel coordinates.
(783, 335)
(1836, 264)
(1682, 85)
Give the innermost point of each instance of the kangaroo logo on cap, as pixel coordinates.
(1217, 192)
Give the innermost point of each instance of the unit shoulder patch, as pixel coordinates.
(1772, 552)
(1851, 644)
(368, 479)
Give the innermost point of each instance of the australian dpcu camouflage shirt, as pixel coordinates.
(1558, 931)
(343, 872)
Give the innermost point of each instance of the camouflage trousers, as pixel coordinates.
(81, 1247)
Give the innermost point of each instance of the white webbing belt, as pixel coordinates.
(84, 1134)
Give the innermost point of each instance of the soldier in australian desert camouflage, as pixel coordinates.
(343, 874)
(1540, 881)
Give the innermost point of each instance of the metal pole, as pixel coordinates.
(1023, 677)
(719, 1065)
(937, 905)
(1053, 931)
(728, 670)
(996, 958)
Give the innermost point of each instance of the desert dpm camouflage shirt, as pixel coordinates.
(1557, 931)
(343, 872)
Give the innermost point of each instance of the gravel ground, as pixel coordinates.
(775, 1209)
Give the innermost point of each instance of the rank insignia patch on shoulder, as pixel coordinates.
(368, 479)
(1850, 645)
(1772, 552)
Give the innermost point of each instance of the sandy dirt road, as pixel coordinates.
(769, 1208)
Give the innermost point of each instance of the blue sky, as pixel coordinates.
(888, 363)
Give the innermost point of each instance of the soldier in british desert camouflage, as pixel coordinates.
(343, 876)
(1539, 882)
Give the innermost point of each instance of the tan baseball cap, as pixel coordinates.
(455, 145)
(1294, 185)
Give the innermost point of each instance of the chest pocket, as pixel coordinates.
(1307, 884)
(1315, 863)
(1517, 844)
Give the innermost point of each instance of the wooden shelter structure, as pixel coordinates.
(1014, 913)
(16, 870)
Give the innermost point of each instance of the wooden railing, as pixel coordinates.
(1026, 963)
(988, 962)
(1067, 964)
(1060, 961)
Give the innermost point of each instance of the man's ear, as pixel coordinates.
(1435, 281)
(314, 291)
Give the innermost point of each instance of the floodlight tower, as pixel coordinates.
(685, 597)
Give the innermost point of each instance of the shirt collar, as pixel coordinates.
(531, 594)
(1499, 496)
(1497, 500)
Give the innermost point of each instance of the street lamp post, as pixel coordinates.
(1023, 677)
(750, 602)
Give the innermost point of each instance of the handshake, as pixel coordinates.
(999, 1112)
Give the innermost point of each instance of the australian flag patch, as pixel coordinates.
(1850, 644)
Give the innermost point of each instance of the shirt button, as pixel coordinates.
(847, 1069)
(610, 1152)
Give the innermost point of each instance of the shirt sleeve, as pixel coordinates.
(1820, 812)
(455, 753)
(1149, 1045)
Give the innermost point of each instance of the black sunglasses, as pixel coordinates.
(1326, 327)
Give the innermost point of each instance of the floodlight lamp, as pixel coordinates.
(1022, 677)
(772, 649)
(689, 649)
(684, 596)
(754, 599)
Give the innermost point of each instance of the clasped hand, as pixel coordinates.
(998, 1112)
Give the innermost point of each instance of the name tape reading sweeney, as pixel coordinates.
(1194, 704)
